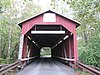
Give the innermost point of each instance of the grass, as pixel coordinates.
(79, 72)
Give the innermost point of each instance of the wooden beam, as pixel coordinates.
(21, 47)
(47, 32)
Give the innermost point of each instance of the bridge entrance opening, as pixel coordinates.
(53, 41)
(45, 52)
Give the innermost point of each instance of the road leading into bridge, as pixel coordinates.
(47, 66)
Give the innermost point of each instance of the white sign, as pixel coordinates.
(49, 17)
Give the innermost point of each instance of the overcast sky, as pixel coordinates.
(45, 4)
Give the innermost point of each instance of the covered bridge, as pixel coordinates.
(49, 29)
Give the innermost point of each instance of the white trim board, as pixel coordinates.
(47, 32)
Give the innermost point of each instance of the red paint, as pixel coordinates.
(69, 25)
(24, 48)
(75, 47)
(72, 45)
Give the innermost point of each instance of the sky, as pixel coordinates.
(45, 4)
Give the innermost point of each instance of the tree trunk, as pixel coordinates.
(9, 44)
(85, 35)
(0, 44)
(85, 38)
(1, 40)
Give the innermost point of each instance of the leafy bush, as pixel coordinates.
(91, 53)
(3, 61)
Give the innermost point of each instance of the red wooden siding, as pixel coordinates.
(71, 26)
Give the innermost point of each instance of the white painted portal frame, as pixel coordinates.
(47, 32)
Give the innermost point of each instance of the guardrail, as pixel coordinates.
(66, 59)
(83, 66)
(9, 67)
(26, 59)
(1, 66)
(87, 68)
(14, 65)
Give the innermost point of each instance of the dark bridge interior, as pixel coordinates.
(57, 42)
(60, 50)
(47, 40)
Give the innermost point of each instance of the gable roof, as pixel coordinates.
(49, 11)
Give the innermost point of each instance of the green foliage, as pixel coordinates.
(11, 12)
(87, 13)
(60, 6)
(3, 61)
(45, 51)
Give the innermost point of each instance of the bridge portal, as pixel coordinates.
(49, 29)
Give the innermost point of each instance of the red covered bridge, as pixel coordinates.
(49, 29)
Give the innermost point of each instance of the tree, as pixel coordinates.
(11, 13)
(88, 34)
(60, 6)
(87, 13)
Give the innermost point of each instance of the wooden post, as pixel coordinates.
(65, 55)
(31, 47)
(75, 48)
(67, 47)
(24, 48)
(21, 47)
(70, 50)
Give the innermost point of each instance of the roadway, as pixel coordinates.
(47, 66)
